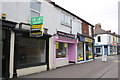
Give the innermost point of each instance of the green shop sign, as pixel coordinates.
(37, 20)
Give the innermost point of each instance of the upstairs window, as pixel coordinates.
(113, 38)
(35, 8)
(66, 20)
(90, 31)
(109, 38)
(99, 39)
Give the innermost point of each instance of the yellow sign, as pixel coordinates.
(37, 27)
(37, 30)
(3, 15)
(88, 40)
(90, 56)
(57, 45)
(65, 45)
(80, 58)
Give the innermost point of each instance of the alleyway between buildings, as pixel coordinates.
(93, 69)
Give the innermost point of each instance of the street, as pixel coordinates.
(93, 69)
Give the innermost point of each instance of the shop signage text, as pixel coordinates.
(65, 35)
(88, 39)
(36, 26)
(36, 20)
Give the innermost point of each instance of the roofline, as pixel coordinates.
(53, 3)
(108, 33)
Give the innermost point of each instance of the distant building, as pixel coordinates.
(105, 41)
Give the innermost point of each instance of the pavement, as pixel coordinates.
(95, 69)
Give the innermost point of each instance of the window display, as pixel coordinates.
(80, 51)
(30, 51)
(89, 51)
(60, 50)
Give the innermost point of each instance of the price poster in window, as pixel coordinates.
(65, 45)
(57, 45)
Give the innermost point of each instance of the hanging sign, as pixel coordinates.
(36, 26)
(37, 20)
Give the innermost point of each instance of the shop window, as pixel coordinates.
(35, 8)
(98, 50)
(30, 51)
(99, 39)
(80, 51)
(60, 50)
(89, 51)
(114, 49)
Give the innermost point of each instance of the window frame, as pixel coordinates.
(99, 38)
(65, 51)
(96, 50)
(26, 34)
(33, 10)
(90, 30)
(66, 19)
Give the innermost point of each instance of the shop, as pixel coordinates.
(108, 49)
(65, 46)
(7, 29)
(118, 48)
(115, 45)
(85, 49)
(31, 53)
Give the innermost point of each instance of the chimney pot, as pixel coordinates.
(98, 26)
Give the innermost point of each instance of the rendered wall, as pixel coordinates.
(104, 39)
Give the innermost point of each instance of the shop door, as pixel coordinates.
(5, 53)
(106, 50)
(71, 53)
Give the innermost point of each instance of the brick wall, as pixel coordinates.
(85, 29)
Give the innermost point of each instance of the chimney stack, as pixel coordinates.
(114, 33)
(109, 31)
(98, 26)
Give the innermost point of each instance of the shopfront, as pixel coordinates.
(114, 43)
(31, 53)
(85, 48)
(65, 46)
(80, 51)
(7, 29)
(108, 49)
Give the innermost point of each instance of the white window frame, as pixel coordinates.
(34, 9)
(66, 19)
(90, 31)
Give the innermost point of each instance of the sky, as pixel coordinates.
(94, 11)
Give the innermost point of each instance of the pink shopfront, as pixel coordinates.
(65, 47)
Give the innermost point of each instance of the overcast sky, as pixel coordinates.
(94, 11)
